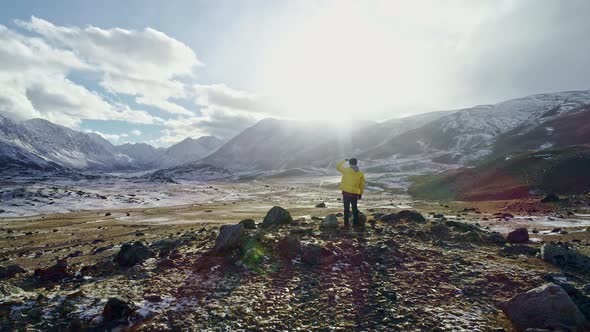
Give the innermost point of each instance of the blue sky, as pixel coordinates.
(157, 72)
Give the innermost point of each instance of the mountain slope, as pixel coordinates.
(271, 145)
(561, 171)
(565, 129)
(141, 154)
(470, 133)
(190, 150)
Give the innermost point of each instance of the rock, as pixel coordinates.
(11, 271)
(117, 309)
(550, 198)
(289, 247)
(438, 215)
(406, 215)
(440, 230)
(131, 254)
(314, 254)
(229, 238)
(8, 290)
(519, 250)
(565, 257)
(154, 298)
(277, 216)
(545, 307)
(165, 264)
(55, 273)
(248, 223)
(362, 220)
(139, 234)
(321, 205)
(519, 235)
(166, 245)
(329, 223)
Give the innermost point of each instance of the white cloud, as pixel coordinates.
(36, 71)
(142, 63)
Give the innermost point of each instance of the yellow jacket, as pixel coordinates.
(352, 181)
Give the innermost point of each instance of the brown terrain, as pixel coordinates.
(442, 268)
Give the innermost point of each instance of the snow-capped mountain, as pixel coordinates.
(40, 144)
(469, 134)
(141, 154)
(272, 144)
(190, 150)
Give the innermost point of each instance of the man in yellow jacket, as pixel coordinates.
(352, 186)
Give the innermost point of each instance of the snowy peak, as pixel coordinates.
(190, 150)
(470, 133)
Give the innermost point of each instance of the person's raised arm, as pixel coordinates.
(340, 166)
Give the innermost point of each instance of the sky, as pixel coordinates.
(158, 72)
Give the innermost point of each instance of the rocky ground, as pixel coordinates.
(439, 268)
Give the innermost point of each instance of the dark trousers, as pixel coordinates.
(348, 200)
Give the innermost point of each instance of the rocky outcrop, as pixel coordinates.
(404, 215)
(131, 254)
(55, 273)
(519, 235)
(545, 307)
(229, 238)
(117, 309)
(277, 216)
(10, 271)
(330, 223)
(565, 257)
(248, 223)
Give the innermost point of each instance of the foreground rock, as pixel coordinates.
(565, 257)
(550, 198)
(545, 307)
(229, 238)
(277, 216)
(248, 223)
(132, 254)
(404, 215)
(519, 235)
(55, 273)
(330, 223)
(11, 271)
(117, 309)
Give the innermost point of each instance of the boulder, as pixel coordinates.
(165, 264)
(314, 254)
(440, 231)
(229, 238)
(131, 254)
(329, 223)
(321, 205)
(407, 215)
(117, 309)
(11, 271)
(545, 307)
(565, 257)
(289, 247)
(519, 235)
(277, 216)
(248, 223)
(550, 198)
(362, 220)
(55, 273)
(519, 250)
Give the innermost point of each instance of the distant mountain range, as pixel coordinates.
(457, 137)
(40, 144)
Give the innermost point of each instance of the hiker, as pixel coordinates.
(352, 186)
